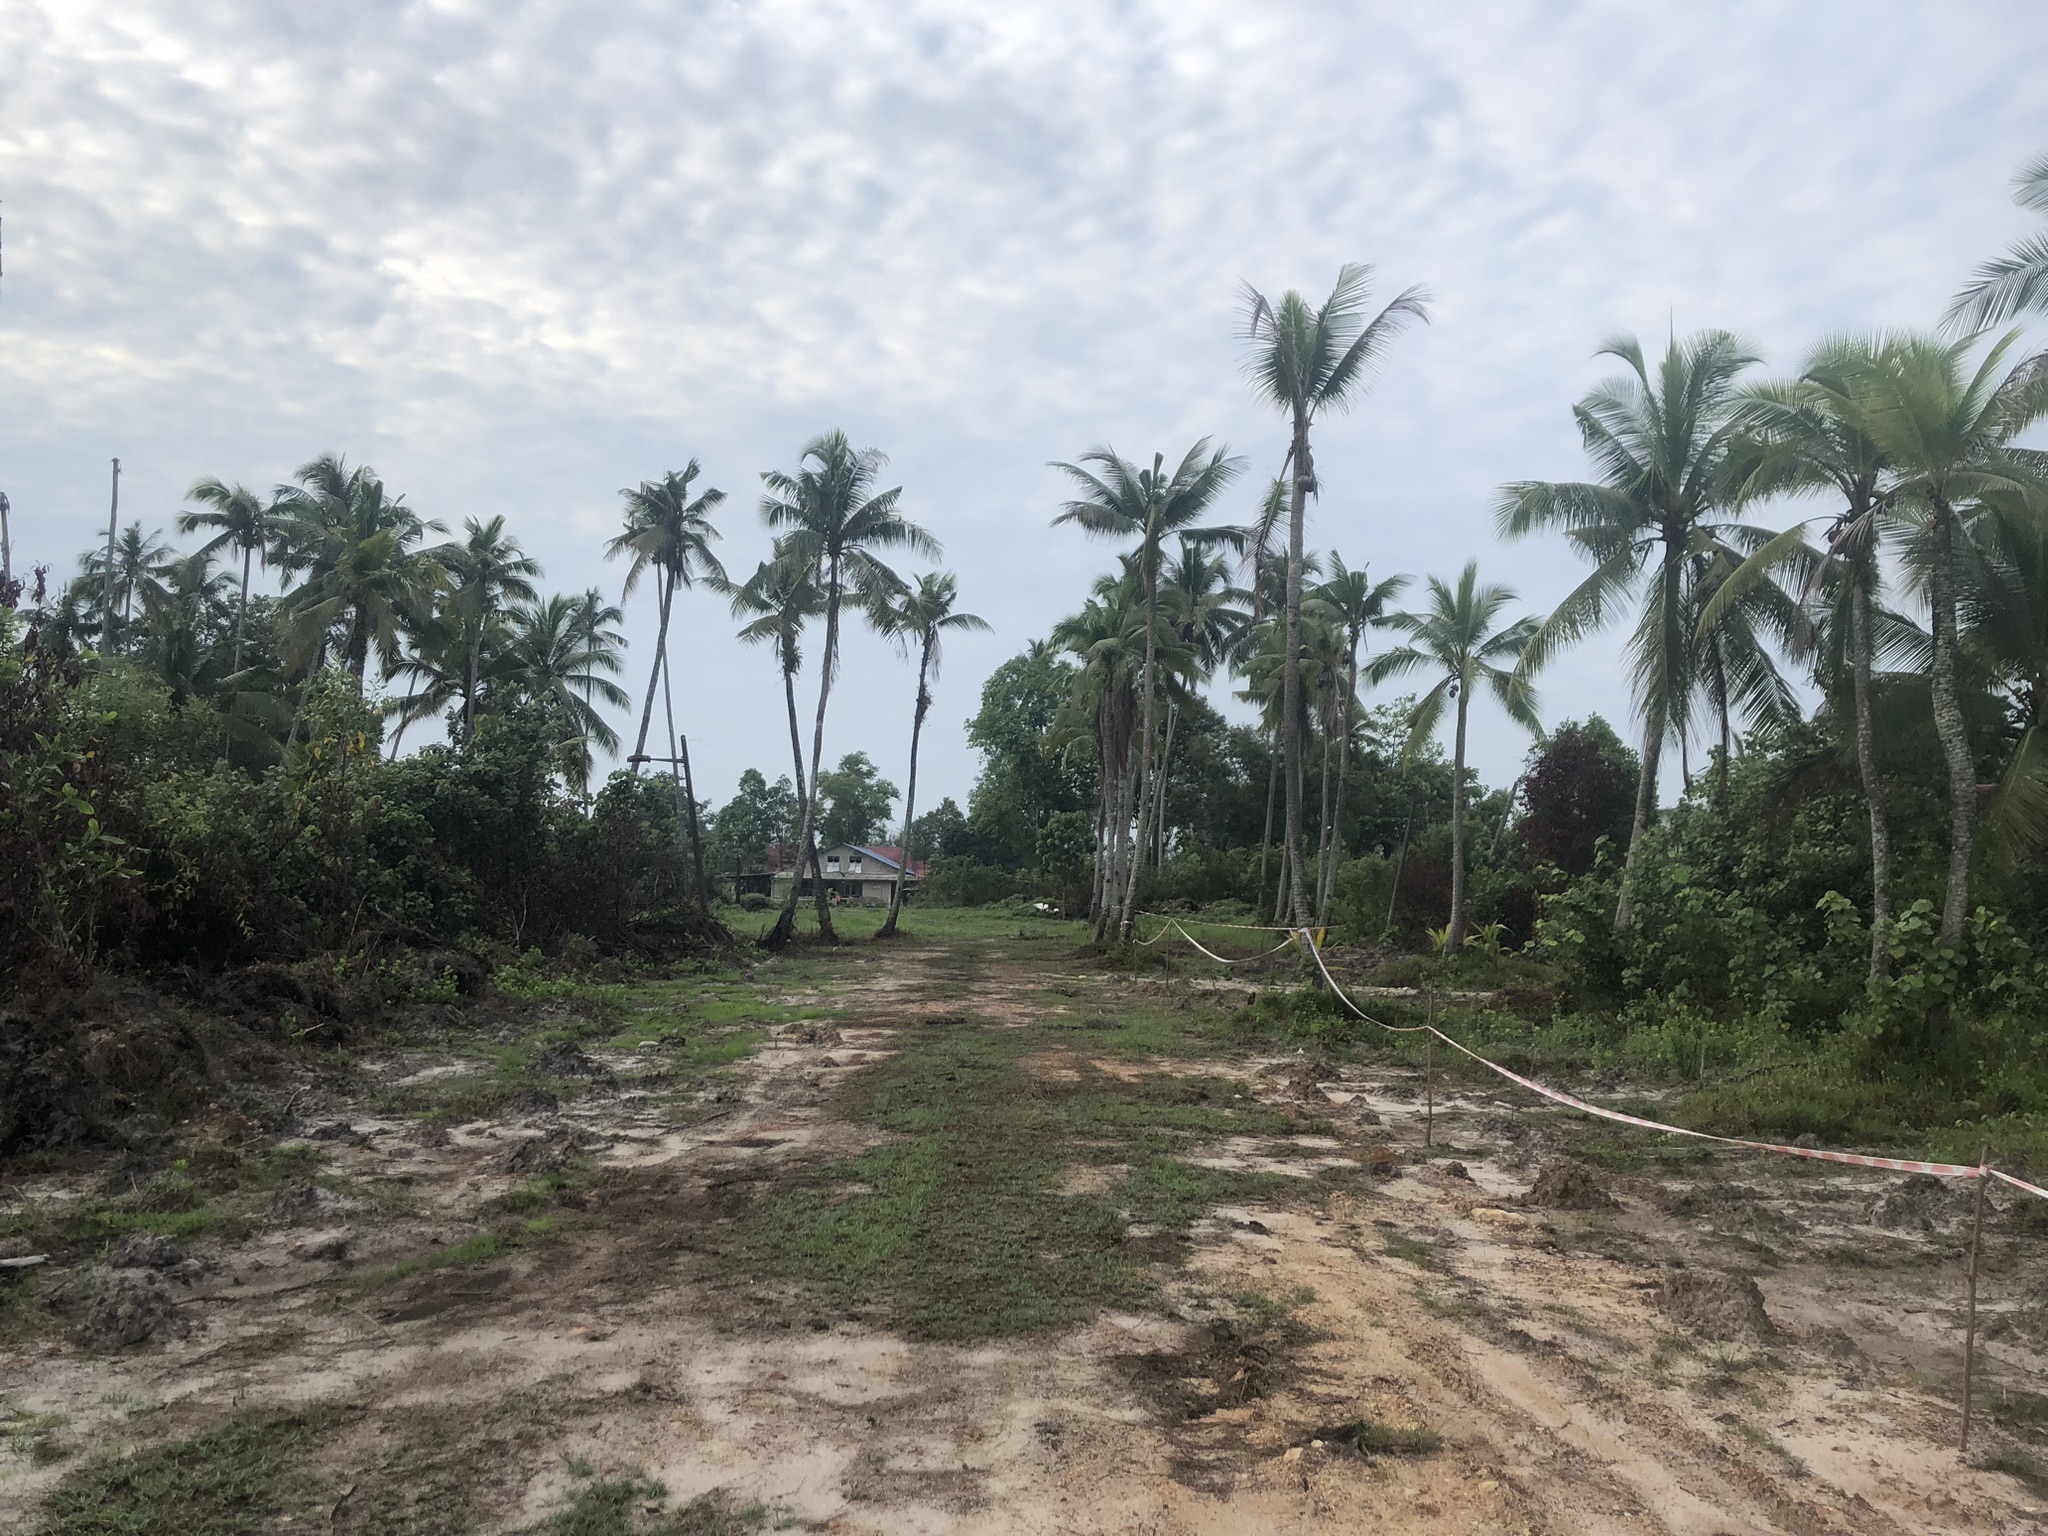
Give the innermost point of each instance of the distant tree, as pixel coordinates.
(1580, 787)
(855, 800)
(1024, 778)
(757, 818)
(488, 570)
(939, 830)
(671, 533)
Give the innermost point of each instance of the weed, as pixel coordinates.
(244, 1475)
(634, 1505)
(1376, 1437)
(472, 1250)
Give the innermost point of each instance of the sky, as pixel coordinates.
(518, 256)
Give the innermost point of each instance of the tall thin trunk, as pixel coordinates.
(910, 794)
(1454, 940)
(1873, 782)
(1336, 855)
(476, 656)
(1955, 740)
(1323, 811)
(1290, 670)
(227, 733)
(1127, 911)
(662, 590)
(1401, 859)
(1646, 801)
(1281, 890)
(1165, 768)
(113, 519)
(785, 925)
(1272, 784)
(679, 777)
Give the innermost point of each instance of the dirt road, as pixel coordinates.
(978, 1239)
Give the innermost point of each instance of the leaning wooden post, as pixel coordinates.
(1970, 1318)
(1429, 1077)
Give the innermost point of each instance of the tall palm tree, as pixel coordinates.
(919, 620)
(355, 547)
(781, 597)
(142, 565)
(834, 523)
(558, 655)
(182, 617)
(1948, 430)
(489, 571)
(1199, 602)
(1306, 360)
(1356, 603)
(1808, 436)
(1119, 500)
(670, 532)
(1662, 449)
(238, 519)
(1456, 634)
(2016, 282)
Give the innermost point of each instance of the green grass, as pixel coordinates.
(241, 1476)
(965, 1234)
(479, 1249)
(1375, 1437)
(634, 1505)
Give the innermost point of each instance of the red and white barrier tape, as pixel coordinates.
(1816, 1154)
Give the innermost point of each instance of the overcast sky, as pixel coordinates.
(517, 256)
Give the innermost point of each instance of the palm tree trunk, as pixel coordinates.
(1336, 854)
(227, 735)
(785, 925)
(1290, 673)
(1873, 782)
(654, 675)
(1646, 801)
(1955, 740)
(1454, 940)
(1401, 858)
(1126, 912)
(1323, 810)
(1165, 767)
(1266, 837)
(910, 794)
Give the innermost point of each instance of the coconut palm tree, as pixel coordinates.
(670, 532)
(1456, 633)
(1808, 437)
(558, 655)
(489, 571)
(919, 620)
(142, 565)
(355, 548)
(1356, 603)
(1306, 360)
(1948, 430)
(1120, 501)
(1198, 602)
(780, 598)
(2017, 282)
(1662, 449)
(239, 519)
(833, 522)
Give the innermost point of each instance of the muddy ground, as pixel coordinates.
(786, 1286)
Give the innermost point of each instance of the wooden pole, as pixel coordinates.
(1429, 1078)
(1970, 1318)
(113, 518)
(696, 838)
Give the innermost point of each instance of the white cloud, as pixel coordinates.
(521, 255)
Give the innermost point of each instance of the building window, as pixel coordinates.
(832, 865)
(854, 866)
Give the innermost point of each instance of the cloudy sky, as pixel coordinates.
(519, 255)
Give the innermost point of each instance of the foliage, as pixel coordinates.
(856, 800)
(1579, 787)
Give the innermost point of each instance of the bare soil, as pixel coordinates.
(1391, 1338)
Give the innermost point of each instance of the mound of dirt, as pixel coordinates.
(1302, 1079)
(146, 1250)
(540, 1156)
(1720, 1306)
(568, 1060)
(129, 1307)
(1919, 1203)
(816, 1034)
(297, 1202)
(1565, 1185)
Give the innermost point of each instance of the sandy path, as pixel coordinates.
(1530, 1341)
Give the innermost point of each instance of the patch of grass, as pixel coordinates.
(245, 1475)
(2014, 1461)
(473, 1250)
(964, 1235)
(1376, 1437)
(1410, 1250)
(1757, 1435)
(635, 1505)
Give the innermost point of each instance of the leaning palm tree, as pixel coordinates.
(2017, 282)
(240, 519)
(670, 532)
(834, 523)
(1804, 437)
(1662, 450)
(919, 620)
(1306, 360)
(1455, 633)
(1948, 430)
(780, 598)
(1356, 603)
(1118, 500)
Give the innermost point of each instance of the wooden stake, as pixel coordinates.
(1429, 1078)
(1970, 1320)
